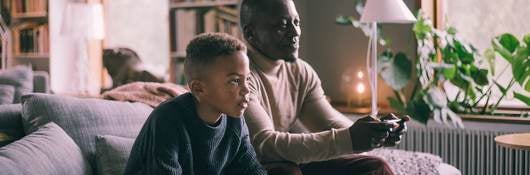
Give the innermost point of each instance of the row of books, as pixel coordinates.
(31, 39)
(219, 19)
(29, 7)
(196, 0)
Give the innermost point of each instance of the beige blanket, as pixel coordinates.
(148, 93)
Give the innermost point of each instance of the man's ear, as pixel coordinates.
(248, 32)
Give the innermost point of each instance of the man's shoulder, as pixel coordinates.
(299, 65)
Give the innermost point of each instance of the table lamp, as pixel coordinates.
(382, 11)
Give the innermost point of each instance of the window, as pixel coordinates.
(479, 21)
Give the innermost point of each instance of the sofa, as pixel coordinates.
(54, 134)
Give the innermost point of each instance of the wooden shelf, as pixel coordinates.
(202, 4)
(42, 15)
(31, 56)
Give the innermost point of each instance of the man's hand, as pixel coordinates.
(368, 133)
(395, 135)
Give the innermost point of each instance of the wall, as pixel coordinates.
(332, 48)
(141, 25)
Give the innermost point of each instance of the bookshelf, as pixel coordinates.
(201, 4)
(30, 41)
(191, 17)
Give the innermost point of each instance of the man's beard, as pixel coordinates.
(290, 59)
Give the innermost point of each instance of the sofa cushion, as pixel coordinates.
(48, 150)
(21, 77)
(83, 119)
(112, 153)
(10, 123)
(7, 94)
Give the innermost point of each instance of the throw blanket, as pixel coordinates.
(148, 93)
(408, 162)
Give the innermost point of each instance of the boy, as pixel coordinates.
(201, 132)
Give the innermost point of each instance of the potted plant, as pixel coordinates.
(445, 60)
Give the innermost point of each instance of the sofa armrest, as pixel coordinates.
(10, 123)
(41, 82)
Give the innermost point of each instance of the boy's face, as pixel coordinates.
(226, 84)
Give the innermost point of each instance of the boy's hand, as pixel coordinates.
(368, 133)
(395, 135)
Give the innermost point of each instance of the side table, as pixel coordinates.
(516, 141)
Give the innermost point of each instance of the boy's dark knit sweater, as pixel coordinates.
(174, 140)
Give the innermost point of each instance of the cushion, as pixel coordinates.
(10, 123)
(408, 162)
(21, 77)
(7, 94)
(48, 150)
(83, 119)
(112, 153)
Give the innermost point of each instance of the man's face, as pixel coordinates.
(275, 31)
(226, 85)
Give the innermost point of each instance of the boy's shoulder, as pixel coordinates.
(237, 125)
(182, 105)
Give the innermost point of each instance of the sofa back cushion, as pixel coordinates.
(112, 153)
(7, 94)
(20, 77)
(83, 119)
(10, 123)
(49, 150)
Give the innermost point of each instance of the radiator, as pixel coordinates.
(471, 151)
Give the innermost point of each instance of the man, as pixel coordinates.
(284, 89)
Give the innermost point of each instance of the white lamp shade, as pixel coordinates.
(386, 11)
(82, 20)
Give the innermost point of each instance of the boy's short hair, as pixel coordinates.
(204, 49)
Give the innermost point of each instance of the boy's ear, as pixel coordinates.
(196, 87)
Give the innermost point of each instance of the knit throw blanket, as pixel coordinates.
(408, 162)
(148, 93)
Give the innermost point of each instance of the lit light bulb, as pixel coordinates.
(360, 75)
(360, 88)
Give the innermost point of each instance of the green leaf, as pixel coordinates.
(421, 28)
(395, 71)
(526, 39)
(449, 73)
(523, 98)
(489, 54)
(463, 54)
(521, 66)
(501, 88)
(509, 42)
(449, 56)
(464, 85)
(471, 93)
(480, 76)
(527, 86)
(344, 20)
(451, 30)
(396, 104)
(506, 54)
(419, 111)
(460, 82)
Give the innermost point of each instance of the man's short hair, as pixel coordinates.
(249, 9)
(205, 48)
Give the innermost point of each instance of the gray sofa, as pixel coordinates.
(53, 134)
